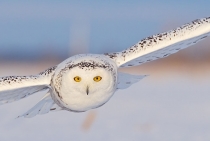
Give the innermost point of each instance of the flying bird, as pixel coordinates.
(87, 81)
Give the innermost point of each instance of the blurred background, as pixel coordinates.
(173, 103)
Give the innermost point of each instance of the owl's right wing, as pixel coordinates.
(14, 88)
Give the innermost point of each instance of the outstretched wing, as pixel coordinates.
(45, 105)
(163, 44)
(13, 88)
(125, 80)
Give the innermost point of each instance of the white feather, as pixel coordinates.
(13, 88)
(126, 80)
(163, 44)
(45, 105)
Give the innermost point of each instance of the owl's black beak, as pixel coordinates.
(87, 90)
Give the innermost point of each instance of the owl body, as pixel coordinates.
(87, 81)
(87, 93)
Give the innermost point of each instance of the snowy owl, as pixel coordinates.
(87, 81)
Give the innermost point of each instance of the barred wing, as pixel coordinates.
(163, 44)
(13, 88)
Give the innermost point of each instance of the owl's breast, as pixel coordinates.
(80, 102)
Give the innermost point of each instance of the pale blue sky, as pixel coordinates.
(29, 28)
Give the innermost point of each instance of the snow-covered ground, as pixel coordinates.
(170, 107)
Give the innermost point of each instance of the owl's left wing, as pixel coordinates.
(163, 44)
(125, 80)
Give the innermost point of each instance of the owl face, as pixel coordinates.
(88, 82)
(87, 85)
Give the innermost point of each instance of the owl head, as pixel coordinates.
(85, 82)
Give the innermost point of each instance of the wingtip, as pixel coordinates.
(25, 116)
(19, 117)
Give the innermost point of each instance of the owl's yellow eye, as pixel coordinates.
(77, 79)
(97, 78)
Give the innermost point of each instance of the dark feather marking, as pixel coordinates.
(156, 39)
